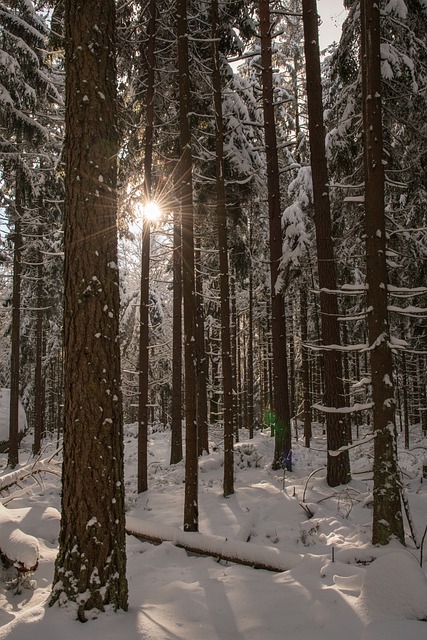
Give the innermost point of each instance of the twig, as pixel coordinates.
(306, 484)
(46, 465)
(422, 546)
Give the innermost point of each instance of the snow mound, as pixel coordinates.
(407, 629)
(17, 547)
(394, 586)
(212, 462)
(43, 522)
(246, 455)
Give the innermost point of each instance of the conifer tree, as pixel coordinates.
(191, 509)
(28, 150)
(387, 515)
(221, 212)
(338, 465)
(282, 454)
(90, 570)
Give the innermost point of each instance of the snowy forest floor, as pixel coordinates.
(338, 585)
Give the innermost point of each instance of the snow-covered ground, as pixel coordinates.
(336, 584)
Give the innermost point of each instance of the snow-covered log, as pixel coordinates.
(253, 555)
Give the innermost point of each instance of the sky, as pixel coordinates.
(332, 14)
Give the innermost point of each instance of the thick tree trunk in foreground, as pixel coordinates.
(90, 570)
(282, 453)
(338, 466)
(387, 516)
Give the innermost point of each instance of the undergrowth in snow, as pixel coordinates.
(336, 584)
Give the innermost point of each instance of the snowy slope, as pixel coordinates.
(337, 585)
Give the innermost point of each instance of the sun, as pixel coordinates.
(151, 211)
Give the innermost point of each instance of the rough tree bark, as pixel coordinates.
(250, 352)
(39, 387)
(176, 409)
(191, 506)
(15, 338)
(202, 362)
(305, 369)
(90, 570)
(338, 466)
(387, 514)
(221, 213)
(282, 452)
(143, 362)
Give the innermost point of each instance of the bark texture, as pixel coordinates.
(191, 507)
(39, 386)
(201, 356)
(338, 466)
(387, 515)
(145, 260)
(143, 359)
(176, 409)
(13, 455)
(90, 571)
(221, 213)
(282, 453)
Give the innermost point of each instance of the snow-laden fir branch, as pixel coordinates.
(353, 445)
(353, 409)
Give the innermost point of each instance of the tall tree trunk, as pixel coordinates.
(39, 389)
(143, 362)
(13, 455)
(346, 384)
(250, 352)
(292, 400)
(221, 212)
(282, 452)
(387, 515)
(338, 466)
(235, 363)
(421, 368)
(202, 390)
(215, 398)
(176, 428)
(404, 414)
(358, 416)
(191, 506)
(244, 362)
(307, 413)
(90, 570)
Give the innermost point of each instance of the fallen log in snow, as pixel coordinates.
(253, 555)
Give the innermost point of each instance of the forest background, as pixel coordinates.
(257, 252)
